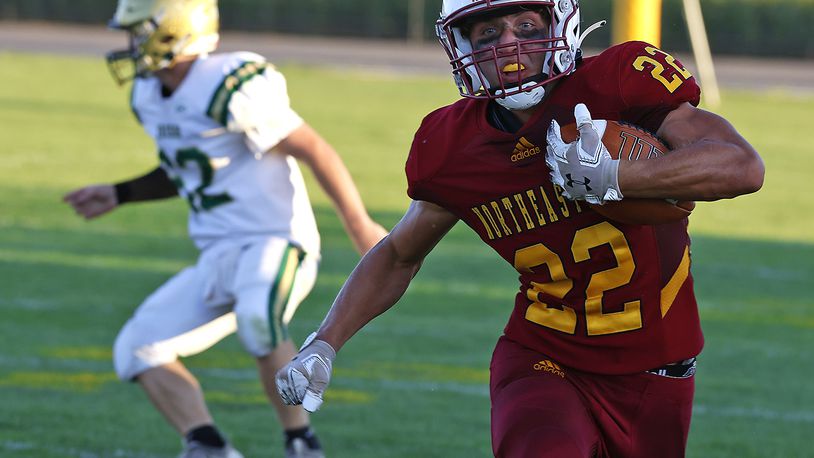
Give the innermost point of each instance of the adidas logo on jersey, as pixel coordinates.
(524, 150)
(549, 366)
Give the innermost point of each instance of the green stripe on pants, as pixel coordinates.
(281, 293)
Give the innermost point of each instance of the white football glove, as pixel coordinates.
(583, 168)
(304, 379)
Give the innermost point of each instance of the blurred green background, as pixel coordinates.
(771, 28)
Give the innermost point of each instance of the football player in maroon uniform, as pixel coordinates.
(598, 356)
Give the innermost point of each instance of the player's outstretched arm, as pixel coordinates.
(96, 200)
(709, 160)
(307, 145)
(377, 283)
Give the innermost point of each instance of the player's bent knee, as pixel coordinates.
(259, 334)
(259, 313)
(541, 416)
(542, 442)
(132, 356)
(531, 433)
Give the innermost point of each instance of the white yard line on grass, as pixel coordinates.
(482, 390)
(17, 446)
(802, 416)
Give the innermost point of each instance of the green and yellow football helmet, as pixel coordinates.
(160, 31)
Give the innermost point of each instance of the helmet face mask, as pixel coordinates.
(145, 54)
(159, 32)
(477, 72)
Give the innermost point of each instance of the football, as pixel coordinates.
(633, 143)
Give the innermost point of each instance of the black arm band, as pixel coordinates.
(151, 186)
(122, 192)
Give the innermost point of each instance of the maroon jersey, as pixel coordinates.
(596, 295)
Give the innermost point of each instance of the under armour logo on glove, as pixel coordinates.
(570, 182)
(586, 157)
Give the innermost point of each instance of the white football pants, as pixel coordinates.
(252, 286)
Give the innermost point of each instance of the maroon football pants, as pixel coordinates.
(542, 409)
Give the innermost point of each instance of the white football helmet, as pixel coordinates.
(561, 46)
(160, 31)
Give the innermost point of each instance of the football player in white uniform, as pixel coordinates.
(228, 142)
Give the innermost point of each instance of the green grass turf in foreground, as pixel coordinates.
(414, 382)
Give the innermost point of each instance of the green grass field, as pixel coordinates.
(414, 382)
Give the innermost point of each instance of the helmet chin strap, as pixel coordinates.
(522, 100)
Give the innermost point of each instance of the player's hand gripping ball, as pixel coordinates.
(583, 167)
(628, 142)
